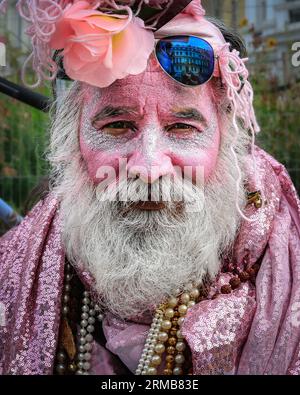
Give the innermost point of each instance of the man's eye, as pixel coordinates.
(180, 128)
(118, 128)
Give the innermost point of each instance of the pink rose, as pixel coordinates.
(117, 49)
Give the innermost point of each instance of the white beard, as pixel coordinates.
(139, 258)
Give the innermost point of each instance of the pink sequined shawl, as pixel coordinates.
(254, 330)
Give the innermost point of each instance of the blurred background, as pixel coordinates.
(270, 28)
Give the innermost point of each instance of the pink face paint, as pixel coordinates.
(156, 107)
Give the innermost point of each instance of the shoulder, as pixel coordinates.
(280, 206)
(287, 187)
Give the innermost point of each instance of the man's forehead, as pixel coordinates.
(152, 86)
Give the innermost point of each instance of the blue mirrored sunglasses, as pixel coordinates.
(189, 60)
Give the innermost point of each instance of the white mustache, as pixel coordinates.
(170, 191)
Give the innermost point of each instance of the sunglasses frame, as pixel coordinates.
(216, 57)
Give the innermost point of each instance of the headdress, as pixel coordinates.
(100, 41)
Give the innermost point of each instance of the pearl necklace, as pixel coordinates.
(88, 312)
(62, 367)
(165, 328)
(165, 335)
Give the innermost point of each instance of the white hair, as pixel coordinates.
(138, 258)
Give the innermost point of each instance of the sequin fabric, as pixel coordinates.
(253, 330)
(31, 279)
(247, 333)
(216, 330)
(272, 346)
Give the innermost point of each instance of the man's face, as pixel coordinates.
(138, 255)
(154, 123)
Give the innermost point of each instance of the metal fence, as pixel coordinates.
(23, 130)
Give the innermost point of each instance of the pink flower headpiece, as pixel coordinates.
(100, 41)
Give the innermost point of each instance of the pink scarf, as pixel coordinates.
(254, 330)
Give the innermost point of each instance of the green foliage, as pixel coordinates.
(277, 101)
(277, 112)
(22, 146)
(23, 133)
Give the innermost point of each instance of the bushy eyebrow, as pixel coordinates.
(110, 111)
(180, 113)
(189, 113)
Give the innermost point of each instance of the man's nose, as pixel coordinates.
(149, 169)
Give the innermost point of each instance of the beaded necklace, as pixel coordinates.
(72, 358)
(165, 335)
(165, 348)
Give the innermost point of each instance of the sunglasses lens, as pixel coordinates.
(189, 60)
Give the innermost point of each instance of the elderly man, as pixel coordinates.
(169, 243)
